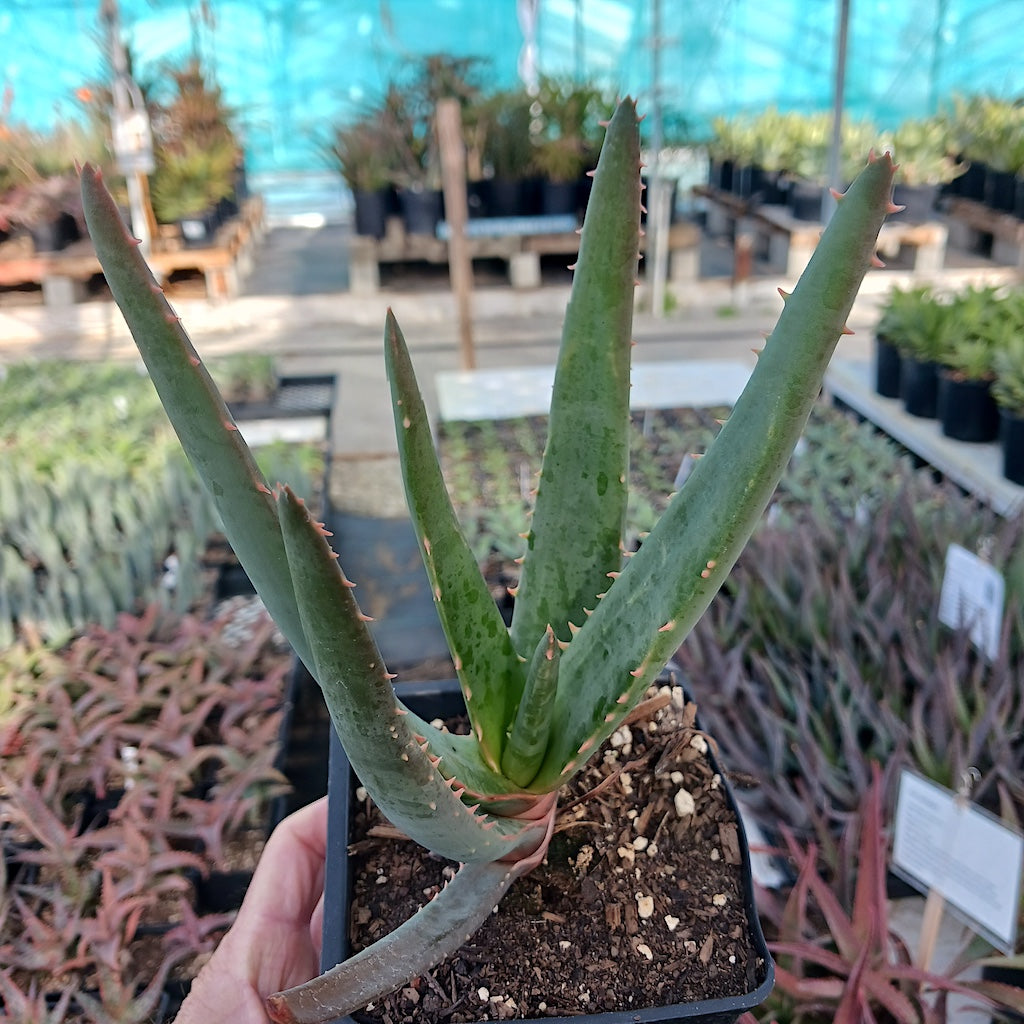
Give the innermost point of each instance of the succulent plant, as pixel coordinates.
(840, 960)
(589, 633)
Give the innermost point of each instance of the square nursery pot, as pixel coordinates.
(443, 700)
(198, 230)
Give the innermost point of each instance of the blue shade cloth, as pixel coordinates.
(290, 67)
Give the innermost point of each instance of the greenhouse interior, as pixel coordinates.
(512, 509)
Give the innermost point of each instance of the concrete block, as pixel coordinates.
(524, 270)
(61, 292)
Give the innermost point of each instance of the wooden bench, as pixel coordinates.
(63, 275)
(789, 241)
(519, 241)
(973, 225)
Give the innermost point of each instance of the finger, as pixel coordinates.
(289, 879)
(316, 927)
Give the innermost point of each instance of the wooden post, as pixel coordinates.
(456, 213)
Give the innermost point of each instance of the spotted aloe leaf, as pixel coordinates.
(666, 586)
(491, 673)
(575, 536)
(287, 556)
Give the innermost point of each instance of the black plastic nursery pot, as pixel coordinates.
(1001, 190)
(53, 235)
(560, 198)
(372, 209)
(1011, 439)
(443, 699)
(967, 410)
(720, 174)
(918, 202)
(805, 199)
(971, 184)
(887, 369)
(919, 387)
(303, 751)
(422, 210)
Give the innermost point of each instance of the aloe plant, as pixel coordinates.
(591, 631)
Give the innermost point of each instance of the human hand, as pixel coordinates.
(275, 940)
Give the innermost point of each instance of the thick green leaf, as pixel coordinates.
(491, 673)
(196, 411)
(575, 538)
(435, 931)
(531, 729)
(388, 747)
(666, 586)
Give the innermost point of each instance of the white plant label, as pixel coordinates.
(972, 598)
(945, 844)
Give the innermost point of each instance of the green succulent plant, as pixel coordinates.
(1008, 365)
(591, 630)
(924, 150)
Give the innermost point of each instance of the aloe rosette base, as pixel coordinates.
(591, 629)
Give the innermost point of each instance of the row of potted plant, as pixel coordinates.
(989, 134)
(779, 156)
(526, 154)
(958, 357)
(972, 149)
(197, 183)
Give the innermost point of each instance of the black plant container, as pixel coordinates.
(558, 198)
(371, 211)
(967, 409)
(748, 180)
(221, 892)
(919, 387)
(303, 750)
(887, 369)
(805, 199)
(478, 198)
(508, 198)
(1011, 438)
(720, 174)
(918, 202)
(422, 210)
(1001, 190)
(971, 184)
(55, 234)
(198, 230)
(443, 699)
